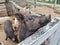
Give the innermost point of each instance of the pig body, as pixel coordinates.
(9, 31)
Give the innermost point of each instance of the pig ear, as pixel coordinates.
(49, 17)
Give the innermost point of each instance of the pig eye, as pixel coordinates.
(30, 18)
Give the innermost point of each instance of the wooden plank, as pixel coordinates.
(3, 10)
(3, 19)
(2, 0)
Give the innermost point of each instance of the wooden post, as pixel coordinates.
(34, 3)
(55, 4)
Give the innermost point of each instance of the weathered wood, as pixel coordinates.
(55, 4)
(2, 0)
(3, 19)
(35, 3)
(3, 10)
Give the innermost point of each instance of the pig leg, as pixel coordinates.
(6, 37)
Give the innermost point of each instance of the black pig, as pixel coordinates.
(9, 31)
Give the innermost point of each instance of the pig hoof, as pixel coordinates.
(6, 39)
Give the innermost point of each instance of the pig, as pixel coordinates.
(30, 24)
(9, 31)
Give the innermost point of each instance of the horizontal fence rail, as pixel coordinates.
(2, 1)
(3, 11)
(3, 19)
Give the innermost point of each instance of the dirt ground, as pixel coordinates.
(46, 11)
(42, 10)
